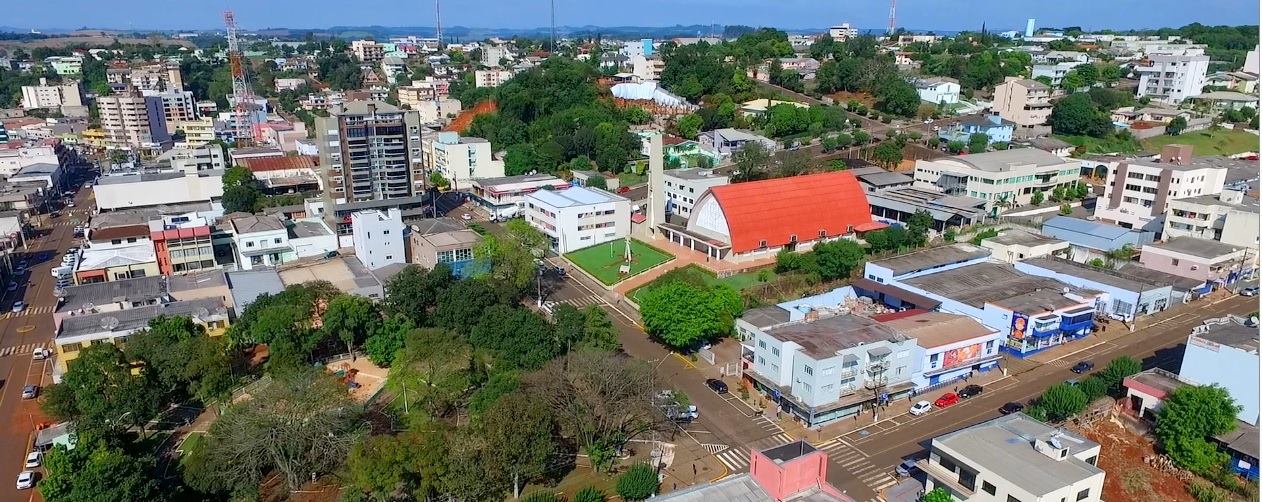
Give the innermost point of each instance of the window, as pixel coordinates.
(276, 240)
(990, 346)
(793, 238)
(1091, 460)
(1174, 261)
(116, 241)
(829, 370)
(1084, 494)
(808, 370)
(988, 488)
(385, 232)
(823, 233)
(761, 361)
(762, 244)
(827, 388)
(1013, 499)
(249, 244)
(762, 344)
(775, 351)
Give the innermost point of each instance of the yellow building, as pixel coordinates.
(94, 138)
(74, 332)
(197, 132)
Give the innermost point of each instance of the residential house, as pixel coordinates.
(578, 217)
(378, 237)
(938, 90)
(1014, 245)
(259, 241)
(346, 273)
(444, 240)
(647, 67)
(1025, 102)
(1014, 458)
(1005, 178)
(757, 107)
(737, 223)
(289, 84)
(1129, 296)
(182, 244)
(114, 253)
(996, 129)
(1228, 100)
(1200, 259)
(726, 142)
(1231, 217)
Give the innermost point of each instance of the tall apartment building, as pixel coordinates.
(491, 78)
(370, 156)
(367, 51)
(51, 96)
(177, 106)
(1025, 102)
(378, 238)
(133, 121)
(1138, 192)
(460, 160)
(1171, 78)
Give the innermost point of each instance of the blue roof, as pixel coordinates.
(1095, 228)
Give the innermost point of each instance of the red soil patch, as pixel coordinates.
(1127, 476)
(462, 121)
(844, 97)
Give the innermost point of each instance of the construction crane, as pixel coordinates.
(246, 131)
(891, 28)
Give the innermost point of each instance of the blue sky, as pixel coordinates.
(919, 14)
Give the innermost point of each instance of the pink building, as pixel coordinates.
(1199, 259)
(791, 472)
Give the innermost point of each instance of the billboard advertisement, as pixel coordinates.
(1020, 323)
(960, 355)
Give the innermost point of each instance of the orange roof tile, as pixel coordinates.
(261, 164)
(774, 210)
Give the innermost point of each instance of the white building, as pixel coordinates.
(13, 160)
(367, 51)
(1056, 71)
(685, 186)
(461, 159)
(115, 192)
(1005, 178)
(1172, 78)
(193, 159)
(289, 84)
(260, 241)
(506, 197)
(842, 32)
(436, 111)
(492, 54)
(1225, 354)
(1014, 457)
(1137, 192)
(177, 106)
(391, 66)
(51, 96)
(378, 237)
(1231, 218)
(491, 78)
(938, 90)
(133, 121)
(647, 68)
(578, 217)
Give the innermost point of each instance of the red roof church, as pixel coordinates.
(759, 218)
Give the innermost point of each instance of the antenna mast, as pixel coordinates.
(438, 23)
(247, 131)
(552, 47)
(891, 28)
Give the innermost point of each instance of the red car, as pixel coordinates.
(947, 399)
(624, 189)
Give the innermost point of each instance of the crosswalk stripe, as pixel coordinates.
(868, 479)
(862, 469)
(889, 481)
(714, 448)
(733, 459)
(852, 461)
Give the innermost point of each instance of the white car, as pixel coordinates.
(33, 459)
(921, 408)
(26, 480)
(19, 306)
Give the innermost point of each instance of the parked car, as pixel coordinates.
(13, 286)
(33, 459)
(947, 399)
(1082, 367)
(1250, 291)
(906, 468)
(970, 391)
(26, 480)
(18, 306)
(30, 391)
(41, 353)
(624, 189)
(920, 408)
(716, 385)
(1011, 408)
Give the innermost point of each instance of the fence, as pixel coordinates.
(707, 355)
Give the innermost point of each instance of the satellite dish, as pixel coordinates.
(109, 323)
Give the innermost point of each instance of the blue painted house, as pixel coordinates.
(993, 126)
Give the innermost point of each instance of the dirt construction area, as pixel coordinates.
(1127, 476)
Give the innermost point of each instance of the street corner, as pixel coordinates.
(694, 464)
(685, 360)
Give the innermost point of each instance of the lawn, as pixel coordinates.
(1207, 142)
(1098, 145)
(602, 261)
(627, 179)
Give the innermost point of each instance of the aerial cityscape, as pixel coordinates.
(691, 251)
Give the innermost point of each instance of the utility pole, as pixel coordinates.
(552, 48)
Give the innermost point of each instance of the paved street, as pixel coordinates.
(862, 462)
(19, 335)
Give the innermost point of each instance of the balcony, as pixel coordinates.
(1077, 322)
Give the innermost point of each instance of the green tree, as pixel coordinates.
(414, 291)
(639, 482)
(590, 494)
(181, 358)
(837, 259)
(1062, 401)
(384, 343)
(1096, 262)
(918, 227)
(437, 180)
(1117, 370)
(1037, 198)
(977, 142)
(383, 468)
(597, 182)
(1188, 418)
(100, 393)
(522, 430)
(238, 176)
(542, 496)
(240, 199)
(861, 137)
(519, 338)
(937, 495)
(589, 327)
(1066, 210)
(1094, 387)
(1078, 115)
(683, 315)
(351, 318)
(898, 97)
(1176, 126)
(689, 126)
(956, 146)
(433, 372)
(460, 306)
(637, 115)
(751, 162)
(889, 153)
(95, 471)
